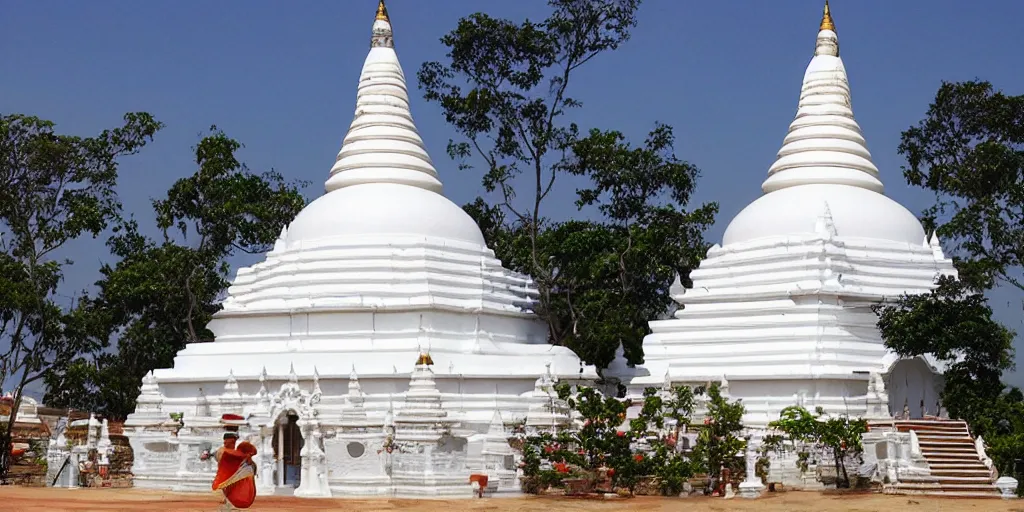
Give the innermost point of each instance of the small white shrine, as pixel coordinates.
(781, 310)
(316, 345)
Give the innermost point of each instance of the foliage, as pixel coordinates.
(599, 442)
(505, 91)
(956, 325)
(666, 461)
(969, 151)
(54, 189)
(161, 293)
(719, 441)
(839, 436)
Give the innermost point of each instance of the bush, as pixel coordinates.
(602, 440)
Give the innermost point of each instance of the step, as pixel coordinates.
(968, 480)
(967, 450)
(963, 494)
(968, 487)
(950, 462)
(952, 443)
(932, 426)
(958, 466)
(958, 431)
(962, 473)
(945, 436)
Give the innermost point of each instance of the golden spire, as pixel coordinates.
(382, 12)
(424, 357)
(826, 19)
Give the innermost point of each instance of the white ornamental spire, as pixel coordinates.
(382, 144)
(824, 144)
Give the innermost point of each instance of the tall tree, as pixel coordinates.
(969, 151)
(505, 89)
(161, 294)
(53, 189)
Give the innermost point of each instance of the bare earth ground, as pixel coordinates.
(46, 499)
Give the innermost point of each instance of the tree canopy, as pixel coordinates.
(505, 89)
(160, 294)
(969, 151)
(54, 189)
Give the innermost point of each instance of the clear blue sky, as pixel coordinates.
(281, 78)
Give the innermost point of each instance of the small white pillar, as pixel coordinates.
(1007, 486)
(280, 454)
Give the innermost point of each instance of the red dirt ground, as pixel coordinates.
(50, 500)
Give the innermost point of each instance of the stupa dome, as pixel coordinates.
(856, 213)
(382, 209)
(824, 165)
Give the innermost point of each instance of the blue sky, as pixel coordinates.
(281, 76)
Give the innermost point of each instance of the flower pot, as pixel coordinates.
(578, 486)
(648, 486)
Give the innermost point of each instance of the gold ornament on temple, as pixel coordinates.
(826, 19)
(382, 12)
(424, 357)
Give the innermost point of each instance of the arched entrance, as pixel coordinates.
(912, 383)
(288, 443)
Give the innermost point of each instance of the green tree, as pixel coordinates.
(969, 151)
(53, 189)
(505, 89)
(719, 443)
(840, 436)
(956, 325)
(602, 440)
(160, 294)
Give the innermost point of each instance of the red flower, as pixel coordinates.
(549, 449)
(582, 452)
(620, 433)
(561, 467)
(586, 423)
(639, 457)
(707, 421)
(611, 471)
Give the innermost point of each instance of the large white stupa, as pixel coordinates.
(379, 275)
(781, 310)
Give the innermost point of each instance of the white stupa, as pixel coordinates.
(375, 272)
(781, 310)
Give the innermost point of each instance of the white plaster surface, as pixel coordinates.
(782, 308)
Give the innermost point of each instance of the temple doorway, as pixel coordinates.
(913, 390)
(287, 448)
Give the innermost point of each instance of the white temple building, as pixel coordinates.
(372, 347)
(780, 311)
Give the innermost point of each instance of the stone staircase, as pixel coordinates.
(956, 467)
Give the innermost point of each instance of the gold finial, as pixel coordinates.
(826, 19)
(382, 12)
(424, 357)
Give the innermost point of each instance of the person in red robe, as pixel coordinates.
(236, 472)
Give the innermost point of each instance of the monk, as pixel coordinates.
(236, 472)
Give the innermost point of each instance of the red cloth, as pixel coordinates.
(241, 493)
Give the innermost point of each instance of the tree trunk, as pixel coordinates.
(7, 438)
(841, 470)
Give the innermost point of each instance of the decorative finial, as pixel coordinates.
(425, 359)
(382, 12)
(826, 18)
(382, 36)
